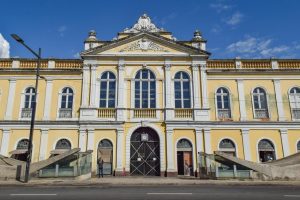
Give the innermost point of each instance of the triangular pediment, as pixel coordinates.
(144, 44)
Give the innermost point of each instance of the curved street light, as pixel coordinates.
(33, 109)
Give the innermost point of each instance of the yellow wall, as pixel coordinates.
(294, 137)
(3, 97)
(272, 135)
(233, 135)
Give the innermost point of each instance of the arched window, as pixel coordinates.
(295, 102)
(63, 144)
(260, 103)
(66, 103)
(29, 100)
(266, 150)
(145, 94)
(227, 146)
(106, 144)
(223, 103)
(182, 90)
(298, 146)
(107, 90)
(23, 144)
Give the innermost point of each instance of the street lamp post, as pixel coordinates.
(33, 105)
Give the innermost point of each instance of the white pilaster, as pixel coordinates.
(47, 106)
(196, 89)
(168, 95)
(120, 149)
(199, 140)
(93, 86)
(205, 103)
(121, 91)
(85, 86)
(246, 144)
(242, 102)
(15, 64)
(207, 141)
(285, 142)
(279, 101)
(90, 145)
(44, 144)
(82, 140)
(170, 151)
(10, 100)
(5, 142)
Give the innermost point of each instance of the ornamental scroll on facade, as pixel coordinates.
(144, 45)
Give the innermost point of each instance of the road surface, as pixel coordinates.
(204, 192)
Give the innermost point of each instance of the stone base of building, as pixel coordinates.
(171, 174)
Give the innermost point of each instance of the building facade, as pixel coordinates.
(147, 104)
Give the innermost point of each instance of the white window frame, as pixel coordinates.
(22, 103)
(181, 81)
(59, 103)
(290, 95)
(149, 80)
(229, 101)
(267, 103)
(108, 80)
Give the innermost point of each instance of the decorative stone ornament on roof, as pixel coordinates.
(144, 45)
(143, 24)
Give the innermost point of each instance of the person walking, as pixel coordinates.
(100, 167)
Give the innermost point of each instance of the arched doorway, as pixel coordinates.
(227, 146)
(185, 158)
(21, 151)
(144, 152)
(105, 153)
(266, 151)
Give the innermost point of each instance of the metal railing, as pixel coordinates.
(261, 113)
(224, 114)
(65, 113)
(26, 113)
(296, 113)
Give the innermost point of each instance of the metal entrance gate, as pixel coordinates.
(144, 153)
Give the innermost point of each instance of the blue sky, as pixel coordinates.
(248, 29)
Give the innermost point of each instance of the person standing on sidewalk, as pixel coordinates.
(100, 167)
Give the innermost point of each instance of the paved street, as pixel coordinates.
(151, 192)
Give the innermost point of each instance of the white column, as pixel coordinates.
(121, 91)
(85, 85)
(44, 144)
(279, 101)
(205, 103)
(47, 106)
(170, 151)
(10, 100)
(199, 145)
(82, 140)
(285, 142)
(168, 94)
(196, 84)
(199, 140)
(93, 87)
(5, 142)
(120, 149)
(246, 144)
(207, 141)
(242, 102)
(90, 145)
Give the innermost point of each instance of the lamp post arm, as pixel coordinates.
(33, 52)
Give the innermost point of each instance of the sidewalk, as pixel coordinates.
(141, 181)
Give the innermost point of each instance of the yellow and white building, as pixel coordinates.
(149, 103)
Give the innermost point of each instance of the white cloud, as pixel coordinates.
(62, 30)
(4, 47)
(216, 29)
(168, 18)
(219, 7)
(235, 19)
(259, 47)
(76, 55)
